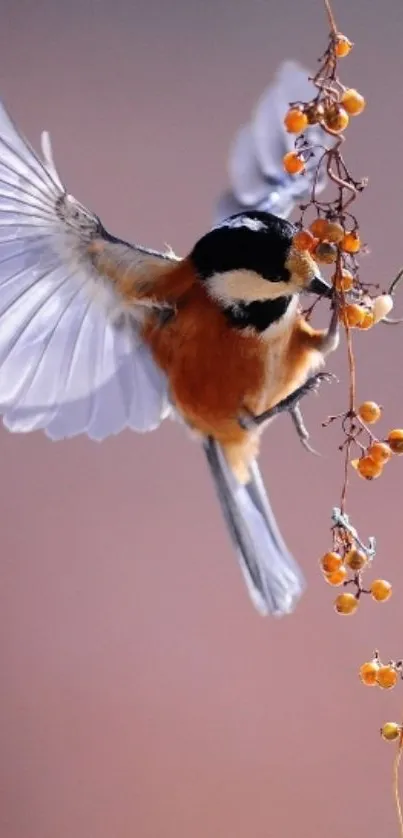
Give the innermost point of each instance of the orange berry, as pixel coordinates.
(368, 673)
(293, 163)
(303, 240)
(331, 562)
(325, 252)
(395, 440)
(319, 227)
(344, 280)
(343, 46)
(386, 677)
(346, 603)
(381, 590)
(334, 232)
(369, 412)
(380, 452)
(337, 577)
(367, 321)
(295, 121)
(353, 102)
(391, 731)
(336, 118)
(352, 314)
(314, 113)
(351, 242)
(368, 468)
(355, 559)
(314, 245)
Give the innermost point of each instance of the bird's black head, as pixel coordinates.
(249, 241)
(249, 259)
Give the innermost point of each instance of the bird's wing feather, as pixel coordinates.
(71, 357)
(272, 141)
(255, 163)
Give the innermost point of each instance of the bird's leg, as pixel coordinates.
(288, 405)
(325, 342)
(331, 337)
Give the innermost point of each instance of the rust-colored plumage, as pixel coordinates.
(217, 372)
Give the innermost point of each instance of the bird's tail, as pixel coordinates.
(273, 578)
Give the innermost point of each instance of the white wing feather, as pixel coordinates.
(255, 163)
(71, 358)
(291, 84)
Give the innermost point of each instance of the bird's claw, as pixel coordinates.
(301, 430)
(312, 384)
(289, 405)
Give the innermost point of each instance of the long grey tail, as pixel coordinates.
(273, 578)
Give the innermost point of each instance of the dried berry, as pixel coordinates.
(353, 102)
(295, 120)
(293, 163)
(369, 412)
(346, 603)
(381, 590)
(395, 440)
(368, 673)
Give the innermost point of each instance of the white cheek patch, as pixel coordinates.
(247, 286)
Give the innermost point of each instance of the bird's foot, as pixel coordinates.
(288, 405)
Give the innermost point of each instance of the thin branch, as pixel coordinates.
(332, 22)
(396, 766)
(394, 321)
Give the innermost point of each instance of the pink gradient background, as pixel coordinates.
(141, 695)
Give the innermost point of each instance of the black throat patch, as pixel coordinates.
(258, 315)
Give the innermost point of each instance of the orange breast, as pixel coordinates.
(213, 369)
(216, 371)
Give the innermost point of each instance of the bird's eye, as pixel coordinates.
(282, 276)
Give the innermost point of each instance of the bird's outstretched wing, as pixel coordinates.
(256, 173)
(71, 357)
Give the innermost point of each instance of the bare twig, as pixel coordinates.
(332, 23)
(394, 321)
(396, 766)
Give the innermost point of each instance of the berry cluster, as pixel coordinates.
(331, 111)
(329, 231)
(346, 567)
(329, 242)
(376, 453)
(333, 238)
(374, 673)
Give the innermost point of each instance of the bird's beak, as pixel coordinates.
(318, 285)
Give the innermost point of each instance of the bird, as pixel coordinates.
(98, 334)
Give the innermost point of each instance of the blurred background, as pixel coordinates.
(141, 694)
